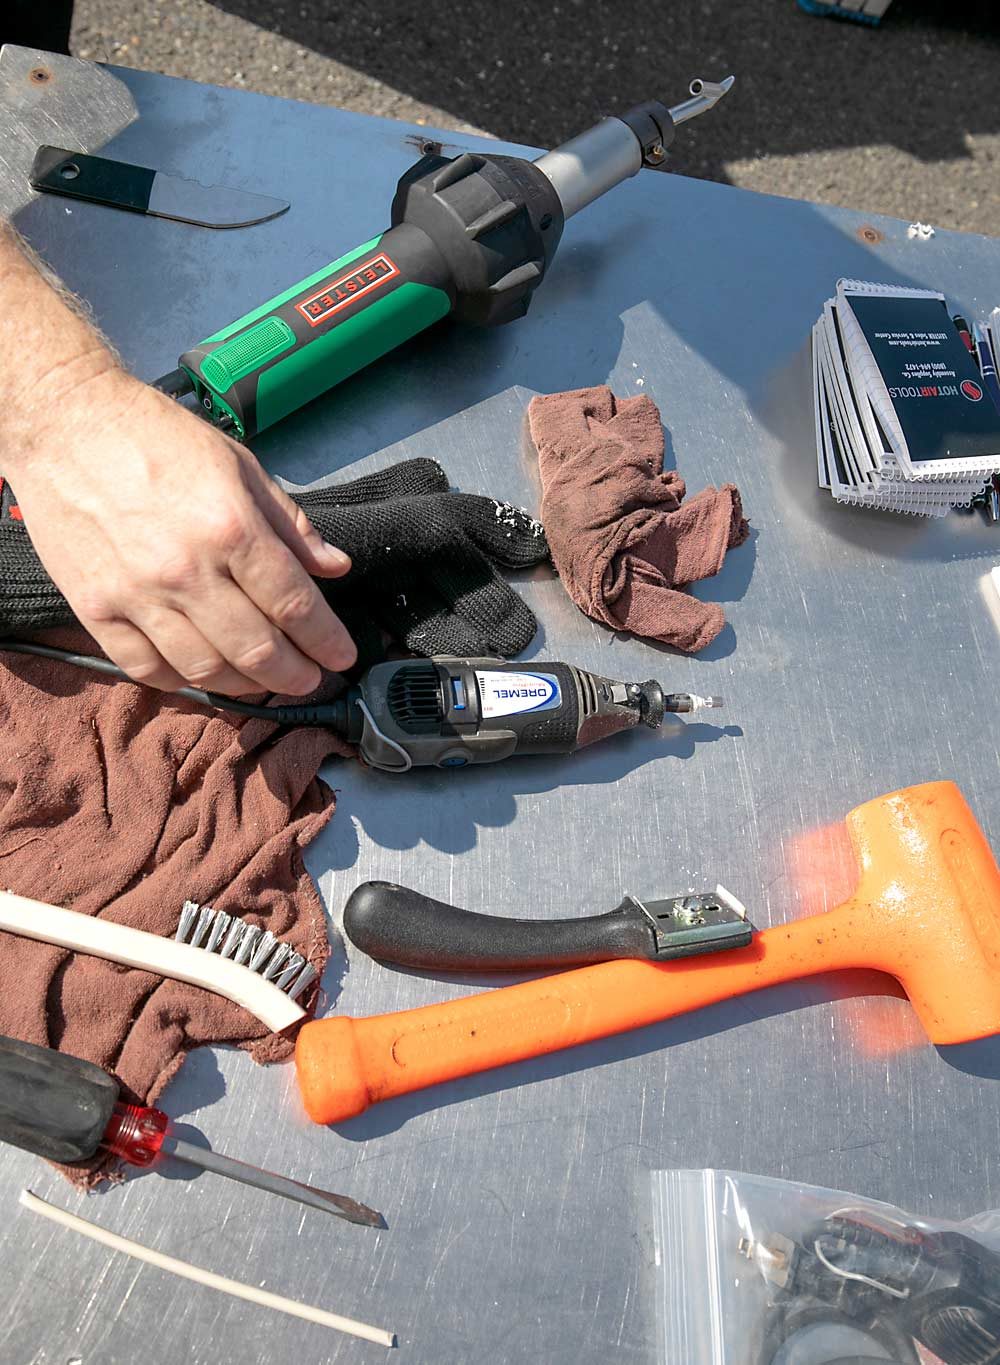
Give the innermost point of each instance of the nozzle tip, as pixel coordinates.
(718, 88)
(704, 95)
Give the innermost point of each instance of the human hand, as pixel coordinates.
(174, 548)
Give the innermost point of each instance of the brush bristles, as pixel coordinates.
(255, 948)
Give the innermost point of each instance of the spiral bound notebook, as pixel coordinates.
(903, 420)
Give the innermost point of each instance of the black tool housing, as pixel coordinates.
(496, 222)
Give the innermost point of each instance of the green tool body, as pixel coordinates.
(331, 324)
(470, 237)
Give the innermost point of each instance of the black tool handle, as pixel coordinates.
(55, 1106)
(394, 924)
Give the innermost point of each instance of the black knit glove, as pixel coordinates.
(424, 565)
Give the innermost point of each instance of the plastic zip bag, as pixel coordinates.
(755, 1271)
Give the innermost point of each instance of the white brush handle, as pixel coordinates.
(164, 956)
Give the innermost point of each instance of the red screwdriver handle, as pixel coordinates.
(135, 1132)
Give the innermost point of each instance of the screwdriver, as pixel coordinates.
(65, 1109)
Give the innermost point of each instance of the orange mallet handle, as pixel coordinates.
(344, 1065)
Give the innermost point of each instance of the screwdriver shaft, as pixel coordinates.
(338, 1204)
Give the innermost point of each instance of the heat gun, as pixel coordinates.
(471, 236)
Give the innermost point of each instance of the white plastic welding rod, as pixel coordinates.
(236, 1288)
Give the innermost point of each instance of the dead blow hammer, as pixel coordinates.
(926, 910)
(471, 236)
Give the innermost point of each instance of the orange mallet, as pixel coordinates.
(926, 910)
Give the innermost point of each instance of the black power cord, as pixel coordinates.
(175, 384)
(332, 715)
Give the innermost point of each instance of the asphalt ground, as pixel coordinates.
(903, 119)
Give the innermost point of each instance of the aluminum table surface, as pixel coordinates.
(859, 657)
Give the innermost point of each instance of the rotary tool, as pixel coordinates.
(448, 713)
(472, 236)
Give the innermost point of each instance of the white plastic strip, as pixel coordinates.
(206, 1277)
(164, 956)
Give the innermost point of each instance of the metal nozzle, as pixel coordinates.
(704, 94)
(593, 162)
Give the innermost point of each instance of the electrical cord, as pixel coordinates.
(333, 715)
(175, 384)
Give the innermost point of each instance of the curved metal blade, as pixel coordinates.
(188, 201)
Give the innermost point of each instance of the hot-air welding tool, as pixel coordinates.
(471, 236)
(448, 713)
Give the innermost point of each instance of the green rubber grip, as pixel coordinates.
(306, 340)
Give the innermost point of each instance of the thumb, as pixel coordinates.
(287, 519)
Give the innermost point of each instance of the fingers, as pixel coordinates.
(135, 653)
(298, 630)
(168, 651)
(221, 642)
(216, 590)
(211, 644)
(254, 621)
(362, 621)
(248, 653)
(293, 527)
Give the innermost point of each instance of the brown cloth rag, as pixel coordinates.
(622, 537)
(120, 801)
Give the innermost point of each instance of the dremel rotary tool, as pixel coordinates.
(472, 236)
(447, 713)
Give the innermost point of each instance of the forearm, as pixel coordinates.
(213, 589)
(48, 352)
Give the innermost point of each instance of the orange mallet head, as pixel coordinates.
(926, 910)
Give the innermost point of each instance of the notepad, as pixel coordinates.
(903, 420)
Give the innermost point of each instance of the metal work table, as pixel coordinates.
(861, 656)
